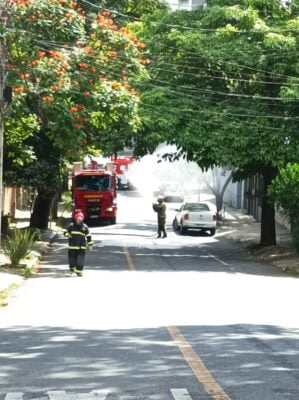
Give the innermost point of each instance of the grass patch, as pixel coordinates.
(4, 294)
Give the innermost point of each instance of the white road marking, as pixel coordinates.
(181, 394)
(59, 395)
(99, 394)
(14, 396)
(217, 259)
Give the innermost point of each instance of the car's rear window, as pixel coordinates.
(196, 207)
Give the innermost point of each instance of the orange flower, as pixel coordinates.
(88, 49)
(87, 93)
(74, 109)
(25, 76)
(56, 54)
(69, 16)
(54, 87)
(112, 54)
(93, 69)
(19, 90)
(140, 45)
(83, 65)
(60, 73)
(41, 54)
(115, 85)
(47, 99)
(78, 126)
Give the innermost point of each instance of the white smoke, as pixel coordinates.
(151, 172)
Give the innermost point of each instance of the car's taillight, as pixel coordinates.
(214, 217)
(186, 216)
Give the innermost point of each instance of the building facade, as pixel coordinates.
(185, 4)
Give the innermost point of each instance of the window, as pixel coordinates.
(195, 207)
(93, 183)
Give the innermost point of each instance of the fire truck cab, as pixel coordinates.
(122, 163)
(94, 191)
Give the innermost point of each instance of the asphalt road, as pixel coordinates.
(183, 318)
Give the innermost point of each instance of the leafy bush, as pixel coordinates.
(18, 245)
(284, 190)
(67, 201)
(36, 234)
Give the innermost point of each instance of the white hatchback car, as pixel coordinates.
(195, 216)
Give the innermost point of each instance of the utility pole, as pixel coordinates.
(3, 18)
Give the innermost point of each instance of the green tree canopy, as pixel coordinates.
(74, 75)
(223, 87)
(129, 8)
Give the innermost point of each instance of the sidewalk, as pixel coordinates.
(245, 231)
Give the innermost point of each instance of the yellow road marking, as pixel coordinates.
(196, 364)
(129, 259)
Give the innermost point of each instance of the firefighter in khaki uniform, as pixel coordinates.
(160, 209)
(79, 239)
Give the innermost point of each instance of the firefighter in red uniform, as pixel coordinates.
(79, 239)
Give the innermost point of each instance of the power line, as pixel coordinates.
(207, 30)
(223, 78)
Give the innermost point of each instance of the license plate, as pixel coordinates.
(93, 216)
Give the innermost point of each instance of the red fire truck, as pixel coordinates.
(122, 163)
(94, 191)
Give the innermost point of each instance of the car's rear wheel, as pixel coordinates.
(175, 225)
(212, 231)
(183, 230)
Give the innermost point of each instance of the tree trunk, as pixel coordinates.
(268, 230)
(54, 207)
(41, 210)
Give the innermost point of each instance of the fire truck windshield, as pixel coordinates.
(92, 183)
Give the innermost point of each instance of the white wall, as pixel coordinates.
(184, 4)
(233, 195)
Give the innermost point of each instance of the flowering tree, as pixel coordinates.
(75, 75)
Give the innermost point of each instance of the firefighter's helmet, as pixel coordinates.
(160, 199)
(79, 216)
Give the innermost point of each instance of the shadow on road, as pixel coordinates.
(244, 359)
